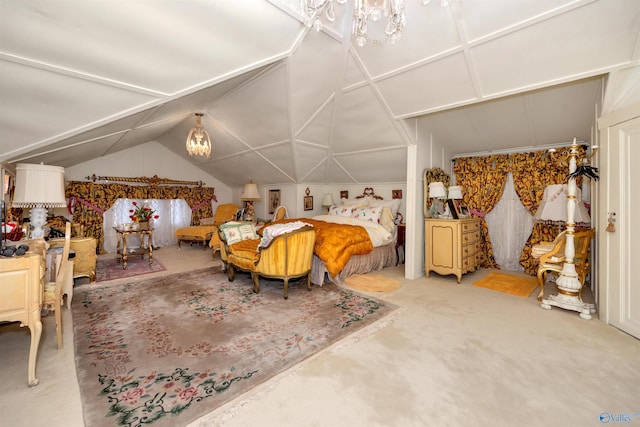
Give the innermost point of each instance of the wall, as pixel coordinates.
(148, 160)
(292, 196)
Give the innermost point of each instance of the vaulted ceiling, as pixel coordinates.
(80, 80)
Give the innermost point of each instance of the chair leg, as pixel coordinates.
(231, 274)
(541, 280)
(256, 282)
(58, 316)
(286, 288)
(309, 281)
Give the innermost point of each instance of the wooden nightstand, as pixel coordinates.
(400, 242)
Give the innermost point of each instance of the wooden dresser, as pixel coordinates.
(21, 299)
(452, 246)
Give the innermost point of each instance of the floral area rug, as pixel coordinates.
(166, 351)
(111, 269)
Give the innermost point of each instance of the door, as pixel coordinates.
(620, 248)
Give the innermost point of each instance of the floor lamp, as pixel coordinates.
(569, 285)
(39, 187)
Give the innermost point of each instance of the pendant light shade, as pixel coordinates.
(198, 141)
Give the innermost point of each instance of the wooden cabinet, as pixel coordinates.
(452, 246)
(21, 299)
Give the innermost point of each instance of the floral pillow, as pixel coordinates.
(235, 232)
(341, 210)
(368, 214)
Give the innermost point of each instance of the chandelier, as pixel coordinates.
(364, 13)
(198, 141)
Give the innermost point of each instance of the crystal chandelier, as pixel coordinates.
(364, 12)
(198, 141)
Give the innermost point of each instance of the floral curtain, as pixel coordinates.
(483, 179)
(89, 201)
(532, 173)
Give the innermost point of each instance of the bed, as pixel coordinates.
(356, 237)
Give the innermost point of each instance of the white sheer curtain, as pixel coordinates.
(173, 214)
(510, 225)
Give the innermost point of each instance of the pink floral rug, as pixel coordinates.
(111, 269)
(166, 351)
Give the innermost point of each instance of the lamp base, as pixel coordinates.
(569, 298)
(38, 217)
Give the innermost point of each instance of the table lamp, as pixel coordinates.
(39, 187)
(327, 201)
(250, 194)
(437, 192)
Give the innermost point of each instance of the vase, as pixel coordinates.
(144, 225)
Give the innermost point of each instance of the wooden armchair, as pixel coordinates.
(553, 260)
(63, 269)
(287, 256)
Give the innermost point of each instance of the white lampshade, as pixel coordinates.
(455, 192)
(327, 200)
(250, 192)
(437, 190)
(39, 187)
(553, 208)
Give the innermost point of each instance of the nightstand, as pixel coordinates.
(400, 242)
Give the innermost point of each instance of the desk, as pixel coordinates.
(21, 300)
(121, 248)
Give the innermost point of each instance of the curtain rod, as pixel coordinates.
(527, 149)
(154, 180)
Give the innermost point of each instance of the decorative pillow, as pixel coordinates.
(393, 204)
(207, 221)
(341, 210)
(235, 232)
(368, 214)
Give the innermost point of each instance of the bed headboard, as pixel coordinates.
(368, 192)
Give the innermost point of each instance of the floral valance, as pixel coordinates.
(89, 200)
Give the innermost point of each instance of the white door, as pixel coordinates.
(620, 249)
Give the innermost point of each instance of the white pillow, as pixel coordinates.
(368, 214)
(393, 204)
(235, 232)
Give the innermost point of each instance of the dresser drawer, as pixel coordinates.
(470, 226)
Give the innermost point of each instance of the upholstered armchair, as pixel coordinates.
(553, 260)
(286, 256)
(207, 230)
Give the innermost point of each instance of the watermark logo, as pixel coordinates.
(608, 417)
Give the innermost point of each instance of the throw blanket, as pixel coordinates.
(270, 232)
(336, 243)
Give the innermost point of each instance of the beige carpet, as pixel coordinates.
(508, 283)
(372, 283)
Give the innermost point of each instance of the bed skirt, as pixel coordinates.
(383, 256)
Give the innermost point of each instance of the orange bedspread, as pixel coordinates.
(336, 243)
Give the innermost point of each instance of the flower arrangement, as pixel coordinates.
(142, 213)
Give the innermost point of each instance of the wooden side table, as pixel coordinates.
(121, 248)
